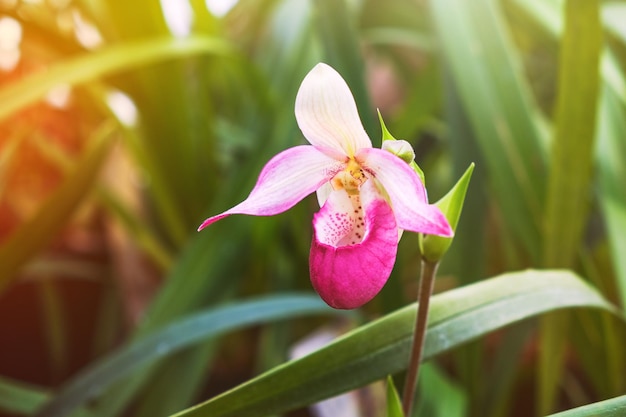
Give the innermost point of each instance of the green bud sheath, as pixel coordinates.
(434, 247)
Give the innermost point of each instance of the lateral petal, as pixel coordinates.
(348, 275)
(285, 180)
(406, 192)
(327, 114)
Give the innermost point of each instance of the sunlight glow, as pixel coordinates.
(59, 96)
(86, 32)
(220, 8)
(8, 4)
(123, 107)
(10, 38)
(178, 16)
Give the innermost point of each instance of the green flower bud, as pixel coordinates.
(434, 247)
(400, 149)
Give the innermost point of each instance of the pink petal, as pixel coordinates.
(406, 192)
(327, 114)
(285, 180)
(349, 275)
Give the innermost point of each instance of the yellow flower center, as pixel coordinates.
(350, 179)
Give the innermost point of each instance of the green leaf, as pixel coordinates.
(439, 396)
(20, 398)
(547, 15)
(24, 399)
(572, 146)
(382, 347)
(394, 406)
(105, 62)
(194, 281)
(610, 132)
(91, 382)
(37, 232)
(487, 73)
(615, 407)
(614, 15)
(612, 171)
(569, 179)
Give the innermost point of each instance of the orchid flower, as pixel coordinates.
(367, 195)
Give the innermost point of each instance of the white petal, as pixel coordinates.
(327, 114)
(323, 192)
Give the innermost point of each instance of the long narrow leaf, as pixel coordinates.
(37, 232)
(394, 406)
(612, 171)
(191, 330)
(611, 133)
(487, 73)
(19, 398)
(24, 399)
(439, 397)
(380, 348)
(569, 179)
(107, 61)
(572, 147)
(615, 407)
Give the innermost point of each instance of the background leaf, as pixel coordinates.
(382, 346)
(33, 235)
(394, 406)
(174, 337)
(614, 407)
(569, 179)
(486, 71)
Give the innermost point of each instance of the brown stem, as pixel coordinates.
(426, 284)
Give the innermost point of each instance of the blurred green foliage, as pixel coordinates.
(124, 124)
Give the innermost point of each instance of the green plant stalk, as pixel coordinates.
(425, 290)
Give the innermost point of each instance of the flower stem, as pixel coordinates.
(426, 284)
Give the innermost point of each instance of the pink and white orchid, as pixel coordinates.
(367, 195)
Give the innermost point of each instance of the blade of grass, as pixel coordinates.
(466, 258)
(381, 348)
(55, 325)
(547, 14)
(189, 368)
(610, 143)
(141, 233)
(570, 172)
(612, 171)
(614, 407)
(569, 180)
(23, 399)
(105, 62)
(193, 282)
(487, 73)
(185, 332)
(440, 396)
(36, 233)
(394, 406)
